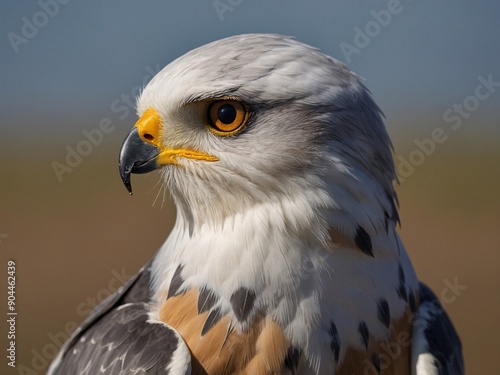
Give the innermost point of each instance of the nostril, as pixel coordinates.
(149, 137)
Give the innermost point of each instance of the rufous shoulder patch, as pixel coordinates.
(386, 357)
(221, 349)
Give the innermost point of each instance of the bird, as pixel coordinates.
(284, 257)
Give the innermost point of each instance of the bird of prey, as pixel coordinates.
(284, 257)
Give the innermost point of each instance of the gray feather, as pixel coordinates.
(118, 337)
(435, 342)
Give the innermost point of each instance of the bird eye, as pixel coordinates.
(226, 116)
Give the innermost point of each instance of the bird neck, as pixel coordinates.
(303, 262)
(273, 242)
(244, 247)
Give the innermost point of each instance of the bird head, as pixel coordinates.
(258, 118)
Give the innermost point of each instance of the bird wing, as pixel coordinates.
(120, 337)
(436, 348)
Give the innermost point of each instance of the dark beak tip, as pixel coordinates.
(129, 187)
(125, 176)
(136, 156)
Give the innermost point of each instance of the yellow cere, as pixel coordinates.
(149, 126)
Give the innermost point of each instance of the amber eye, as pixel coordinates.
(226, 117)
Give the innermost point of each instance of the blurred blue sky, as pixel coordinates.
(86, 54)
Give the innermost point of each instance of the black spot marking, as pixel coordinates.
(401, 289)
(376, 362)
(335, 343)
(393, 215)
(365, 335)
(387, 218)
(363, 241)
(383, 312)
(206, 300)
(176, 282)
(411, 301)
(401, 274)
(292, 358)
(212, 319)
(242, 302)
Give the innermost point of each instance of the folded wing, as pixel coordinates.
(436, 348)
(120, 337)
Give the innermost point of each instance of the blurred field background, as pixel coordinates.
(75, 240)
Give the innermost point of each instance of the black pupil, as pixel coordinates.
(226, 113)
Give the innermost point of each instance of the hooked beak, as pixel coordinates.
(142, 150)
(136, 156)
